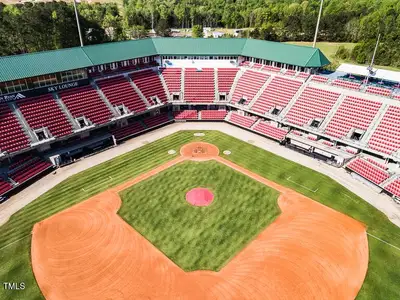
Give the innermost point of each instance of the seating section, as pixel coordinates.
(396, 97)
(43, 111)
(199, 85)
(368, 170)
(378, 164)
(394, 187)
(317, 78)
(213, 114)
(29, 170)
(328, 143)
(244, 63)
(4, 186)
(271, 131)
(354, 112)
(150, 85)
(12, 136)
(248, 86)
(186, 115)
(303, 75)
(257, 66)
(386, 137)
(156, 120)
(85, 101)
(313, 103)
(346, 84)
(244, 121)
(277, 94)
(290, 73)
(226, 76)
(172, 77)
(379, 91)
(119, 91)
(272, 69)
(130, 129)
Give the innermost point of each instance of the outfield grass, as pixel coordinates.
(382, 281)
(199, 238)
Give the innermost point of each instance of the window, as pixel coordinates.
(15, 86)
(44, 80)
(73, 75)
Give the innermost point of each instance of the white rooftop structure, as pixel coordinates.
(363, 71)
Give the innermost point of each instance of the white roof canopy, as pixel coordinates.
(363, 71)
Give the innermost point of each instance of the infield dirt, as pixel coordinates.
(309, 252)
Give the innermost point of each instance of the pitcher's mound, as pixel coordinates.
(200, 197)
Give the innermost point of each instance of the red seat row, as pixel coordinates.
(271, 131)
(244, 121)
(149, 83)
(248, 85)
(119, 91)
(85, 101)
(278, 93)
(130, 129)
(368, 170)
(186, 115)
(311, 104)
(213, 114)
(43, 111)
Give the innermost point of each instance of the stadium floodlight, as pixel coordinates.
(370, 68)
(317, 27)
(77, 23)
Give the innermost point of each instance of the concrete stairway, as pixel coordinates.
(24, 124)
(104, 98)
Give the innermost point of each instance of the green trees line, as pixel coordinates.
(34, 27)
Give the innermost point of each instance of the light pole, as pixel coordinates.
(316, 28)
(77, 23)
(371, 66)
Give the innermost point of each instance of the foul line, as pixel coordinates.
(14, 242)
(375, 237)
(314, 191)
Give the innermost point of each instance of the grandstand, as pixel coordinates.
(153, 82)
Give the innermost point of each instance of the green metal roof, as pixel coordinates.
(40, 63)
(190, 46)
(303, 56)
(110, 52)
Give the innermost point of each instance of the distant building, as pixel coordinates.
(217, 34)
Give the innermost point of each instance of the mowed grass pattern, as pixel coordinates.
(199, 238)
(382, 280)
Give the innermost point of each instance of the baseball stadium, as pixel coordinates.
(180, 168)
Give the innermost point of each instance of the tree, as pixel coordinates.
(197, 31)
(162, 28)
(138, 32)
(342, 53)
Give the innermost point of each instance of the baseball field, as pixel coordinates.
(126, 223)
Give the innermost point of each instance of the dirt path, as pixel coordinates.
(309, 252)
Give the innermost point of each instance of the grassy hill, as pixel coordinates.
(329, 49)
